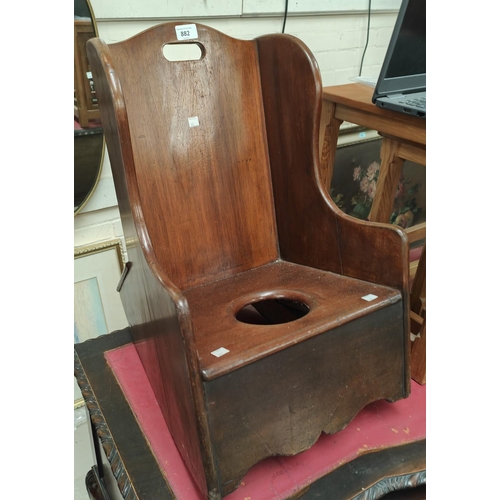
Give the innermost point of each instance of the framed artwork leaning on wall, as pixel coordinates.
(97, 306)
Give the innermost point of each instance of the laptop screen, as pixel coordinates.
(408, 57)
(404, 65)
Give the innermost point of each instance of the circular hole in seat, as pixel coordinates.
(272, 311)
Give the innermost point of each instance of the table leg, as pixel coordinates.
(418, 363)
(328, 136)
(418, 309)
(387, 184)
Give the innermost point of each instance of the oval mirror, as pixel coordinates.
(89, 137)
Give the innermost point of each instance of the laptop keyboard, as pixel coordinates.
(419, 102)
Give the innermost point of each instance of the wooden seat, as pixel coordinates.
(332, 299)
(215, 163)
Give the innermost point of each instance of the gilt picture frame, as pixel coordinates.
(97, 306)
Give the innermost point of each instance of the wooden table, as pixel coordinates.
(403, 138)
(128, 450)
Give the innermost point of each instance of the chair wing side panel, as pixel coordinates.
(156, 311)
(374, 252)
(312, 229)
(291, 91)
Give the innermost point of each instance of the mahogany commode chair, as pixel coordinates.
(215, 164)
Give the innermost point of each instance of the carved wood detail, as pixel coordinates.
(389, 484)
(104, 434)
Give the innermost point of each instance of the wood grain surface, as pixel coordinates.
(217, 173)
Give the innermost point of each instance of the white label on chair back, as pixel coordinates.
(220, 352)
(193, 121)
(186, 32)
(370, 297)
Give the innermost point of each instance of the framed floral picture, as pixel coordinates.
(97, 306)
(354, 183)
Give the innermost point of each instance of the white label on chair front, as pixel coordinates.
(186, 32)
(370, 297)
(220, 352)
(193, 121)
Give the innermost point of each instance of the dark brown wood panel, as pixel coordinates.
(340, 372)
(398, 471)
(306, 225)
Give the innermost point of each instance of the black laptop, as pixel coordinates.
(401, 83)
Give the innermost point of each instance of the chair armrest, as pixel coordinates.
(373, 251)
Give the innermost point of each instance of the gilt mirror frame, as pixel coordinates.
(98, 165)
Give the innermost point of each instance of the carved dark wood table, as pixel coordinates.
(128, 454)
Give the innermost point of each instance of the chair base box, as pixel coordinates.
(281, 404)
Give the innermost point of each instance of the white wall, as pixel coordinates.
(335, 31)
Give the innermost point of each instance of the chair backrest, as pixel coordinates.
(200, 155)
